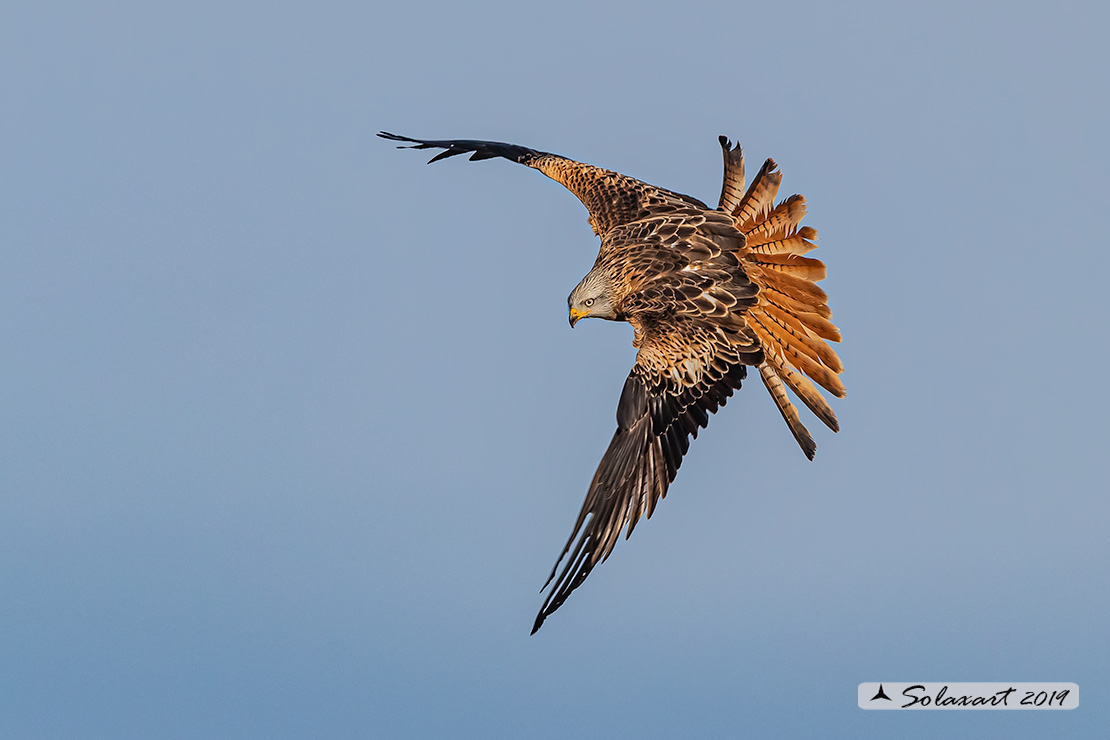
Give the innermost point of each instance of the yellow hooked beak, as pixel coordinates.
(575, 314)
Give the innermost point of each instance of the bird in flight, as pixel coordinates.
(709, 293)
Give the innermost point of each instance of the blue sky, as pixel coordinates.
(294, 425)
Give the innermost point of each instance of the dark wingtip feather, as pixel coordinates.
(480, 149)
(449, 151)
(398, 137)
(442, 155)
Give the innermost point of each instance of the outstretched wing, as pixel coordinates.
(680, 377)
(694, 345)
(611, 198)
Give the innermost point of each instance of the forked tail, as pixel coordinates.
(792, 318)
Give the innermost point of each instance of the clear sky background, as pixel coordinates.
(293, 426)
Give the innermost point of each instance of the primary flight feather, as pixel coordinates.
(709, 292)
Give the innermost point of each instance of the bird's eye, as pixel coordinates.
(588, 302)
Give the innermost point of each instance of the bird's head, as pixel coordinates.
(593, 298)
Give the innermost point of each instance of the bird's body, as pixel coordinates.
(709, 292)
